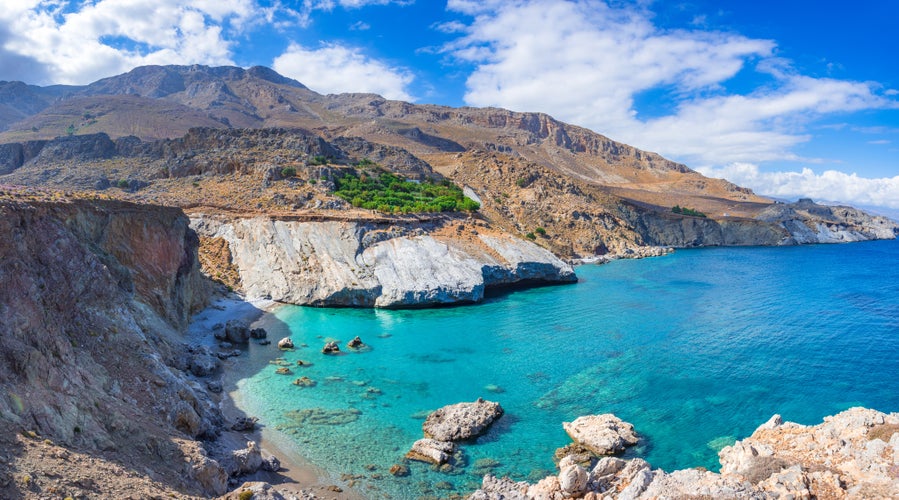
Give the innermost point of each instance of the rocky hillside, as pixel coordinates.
(94, 299)
(291, 173)
(253, 143)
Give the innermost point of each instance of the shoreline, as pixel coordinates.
(296, 476)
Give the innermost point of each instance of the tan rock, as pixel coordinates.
(461, 420)
(431, 451)
(602, 434)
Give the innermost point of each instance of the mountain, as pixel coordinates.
(588, 194)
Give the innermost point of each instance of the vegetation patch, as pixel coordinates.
(687, 211)
(387, 192)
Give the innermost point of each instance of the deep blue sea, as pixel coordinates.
(696, 349)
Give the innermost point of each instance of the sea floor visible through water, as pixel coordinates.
(696, 349)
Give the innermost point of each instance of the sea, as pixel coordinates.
(696, 349)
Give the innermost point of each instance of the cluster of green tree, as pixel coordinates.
(391, 193)
(687, 211)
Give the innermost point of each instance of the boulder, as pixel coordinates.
(572, 478)
(258, 333)
(210, 475)
(461, 420)
(602, 434)
(246, 461)
(244, 424)
(285, 343)
(237, 332)
(271, 463)
(331, 348)
(355, 343)
(431, 451)
(203, 364)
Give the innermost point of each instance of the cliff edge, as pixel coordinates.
(95, 295)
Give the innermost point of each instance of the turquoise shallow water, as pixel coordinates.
(695, 349)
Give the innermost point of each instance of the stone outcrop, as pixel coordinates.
(601, 434)
(432, 451)
(854, 454)
(461, 420)
(452, 423)
(334, 263)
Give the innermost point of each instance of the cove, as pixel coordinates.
(696, 349)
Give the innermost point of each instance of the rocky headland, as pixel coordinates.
(854, 454)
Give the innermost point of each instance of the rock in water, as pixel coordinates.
(431, 451)
(331, 348)
(355, 343)
(461, 420)
(285, 343)
(602, 434)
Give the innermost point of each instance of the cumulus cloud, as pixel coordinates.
(586, 62)
(336, 68)
(77, 44)
(830, 185)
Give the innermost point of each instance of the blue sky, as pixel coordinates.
(793, 98)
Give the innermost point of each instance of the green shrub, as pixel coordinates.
(245, 495)
(687, 211)
(540, 231)
(521, 182)
(319, 160)
(530, 236)
(288, 172)
(123, 184)
(392, 193)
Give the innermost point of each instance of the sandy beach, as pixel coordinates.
(296, 477)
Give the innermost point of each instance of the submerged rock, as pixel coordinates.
(461, 420)
(304, 382)
(602, 434)
(399, 470)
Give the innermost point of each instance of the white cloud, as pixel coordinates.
(587, 63)
(111, 36)
(336, 68)
(830, 185)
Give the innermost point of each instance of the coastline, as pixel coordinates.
(297, 477)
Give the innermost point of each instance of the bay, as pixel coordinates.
(696, 349)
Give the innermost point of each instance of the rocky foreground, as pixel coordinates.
(854, 454)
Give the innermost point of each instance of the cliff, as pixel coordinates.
(95, 295)
(388, 264)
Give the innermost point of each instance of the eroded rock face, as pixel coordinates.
(94, 294)
(359, 264)
(602, 434)
(461, 420)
